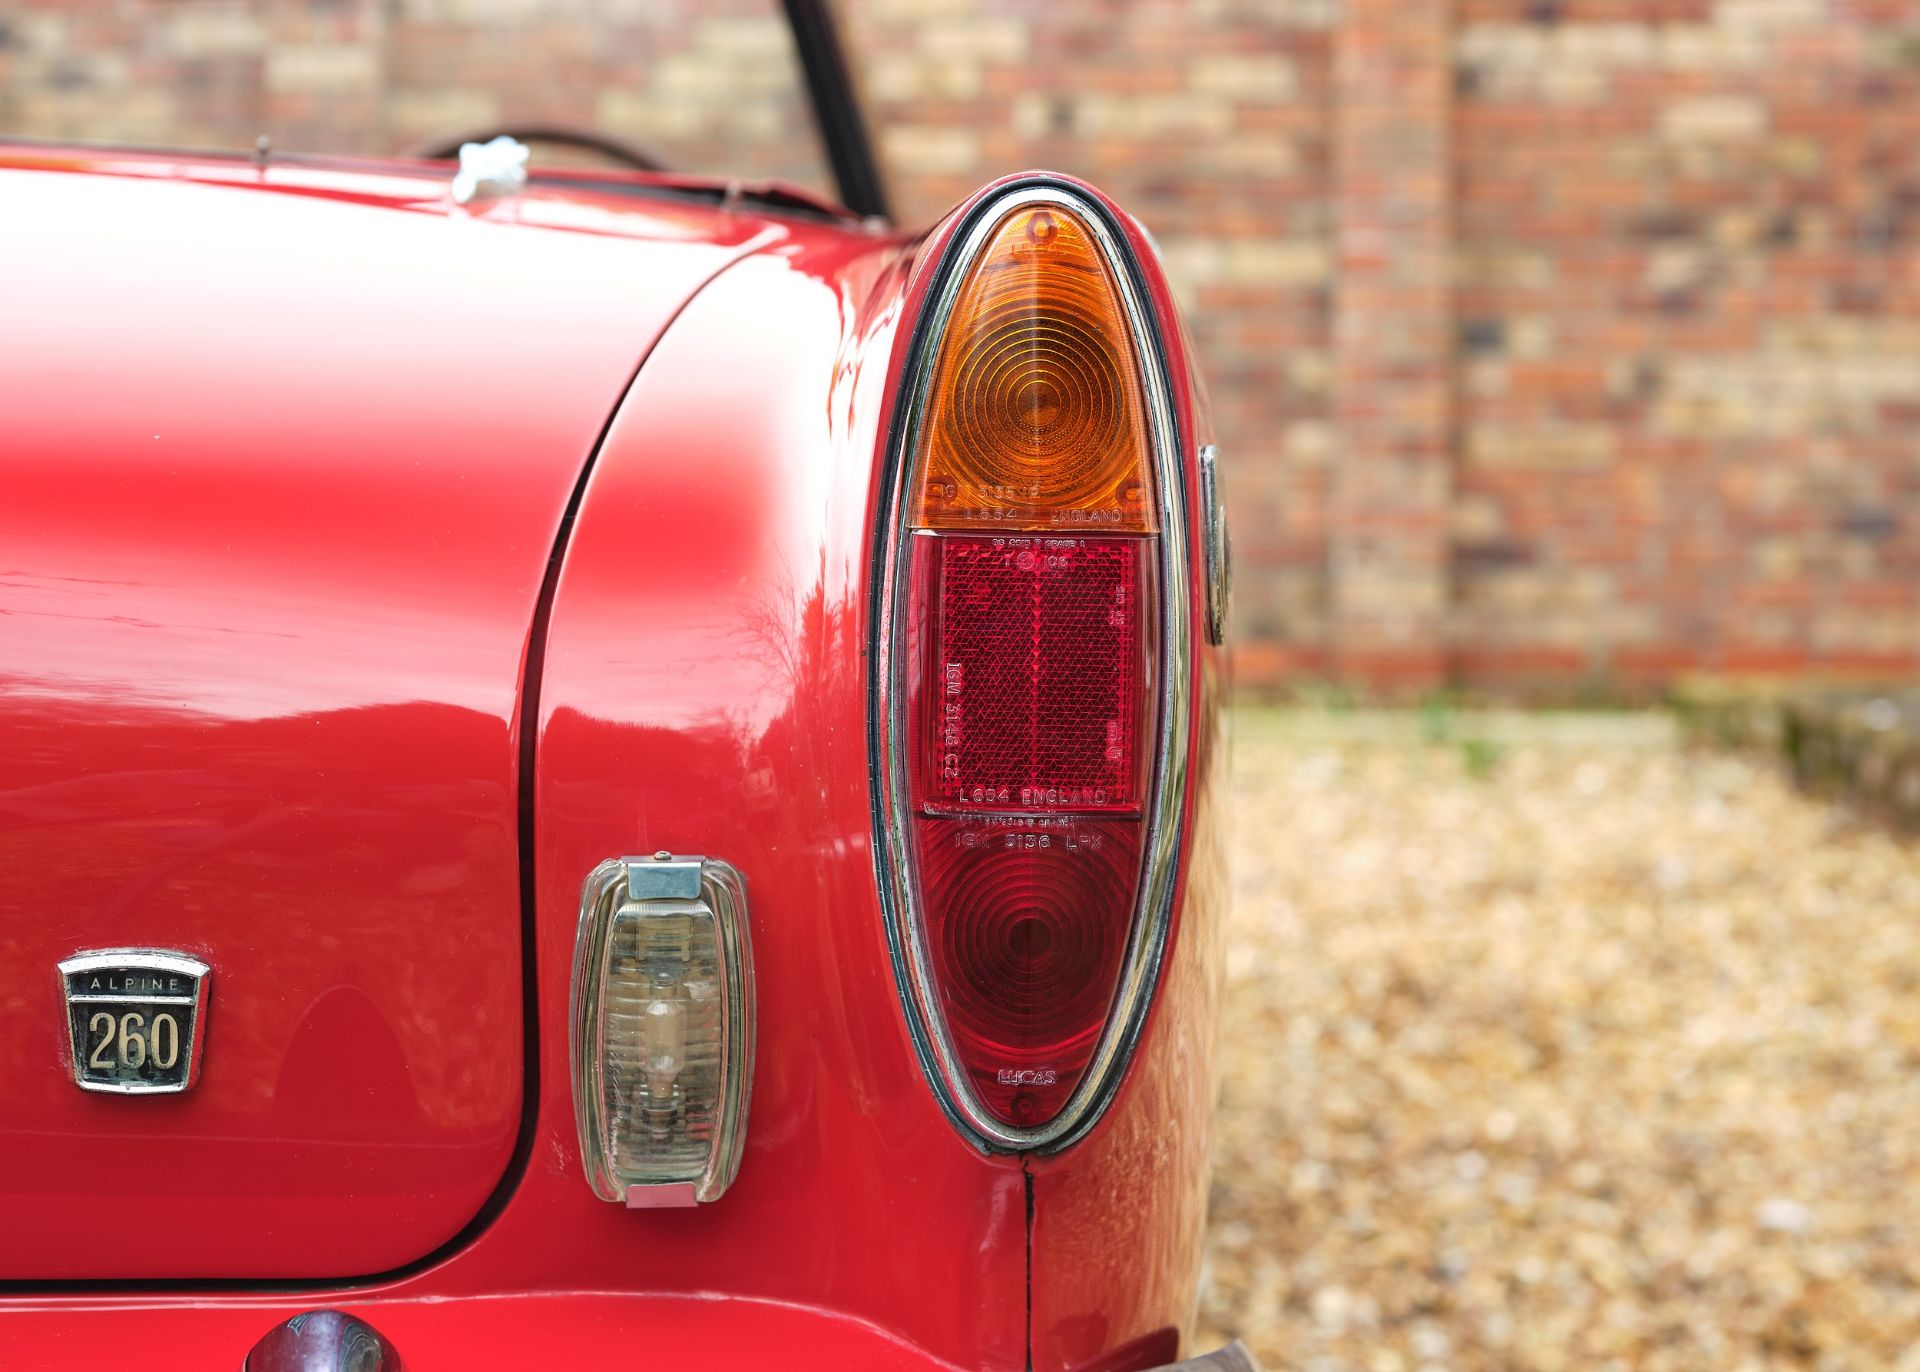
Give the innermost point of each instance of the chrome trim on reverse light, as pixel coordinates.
(667, 879)
(1154, 910)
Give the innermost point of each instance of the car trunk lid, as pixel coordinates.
(285, 454)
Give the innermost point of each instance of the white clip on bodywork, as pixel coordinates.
(490, 170)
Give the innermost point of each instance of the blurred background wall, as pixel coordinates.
(1556, 345)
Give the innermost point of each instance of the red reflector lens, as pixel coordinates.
(1027, 924)
(1034, 693)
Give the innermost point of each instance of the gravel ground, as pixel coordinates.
(1555, 1044)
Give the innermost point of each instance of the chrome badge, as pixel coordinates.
(133, 1019)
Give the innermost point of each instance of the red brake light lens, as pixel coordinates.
(1025, 943)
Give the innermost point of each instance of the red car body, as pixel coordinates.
(372, 569)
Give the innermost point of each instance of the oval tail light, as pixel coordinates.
(1031, 669)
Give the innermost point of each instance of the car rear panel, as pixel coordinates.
(282, 474)
(529, 1330)
(320, 706)
(704, 691)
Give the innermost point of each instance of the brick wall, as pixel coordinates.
(1688, 300)
(1552, 341)
(1211, 122)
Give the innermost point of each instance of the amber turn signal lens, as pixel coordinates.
(1034, 417)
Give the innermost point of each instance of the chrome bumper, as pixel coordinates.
(1233, 1358)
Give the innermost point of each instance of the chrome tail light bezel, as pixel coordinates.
(889, 738)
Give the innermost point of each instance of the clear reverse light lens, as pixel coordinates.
(662, 1029)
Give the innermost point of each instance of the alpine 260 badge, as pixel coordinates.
(133, 1019)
